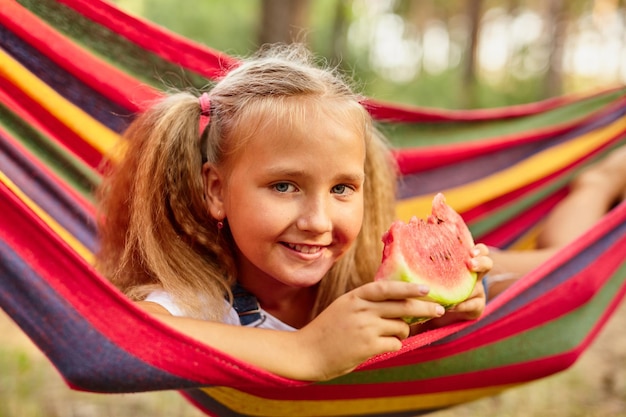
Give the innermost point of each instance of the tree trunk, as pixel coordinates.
(339, 33)
(283, 21)
(470, 80)
(557, 19)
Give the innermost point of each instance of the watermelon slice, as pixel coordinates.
(435, 252)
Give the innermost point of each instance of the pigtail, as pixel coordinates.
(164, 237)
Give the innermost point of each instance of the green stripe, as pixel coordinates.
(59, 160)
(553, 338)
(113, 48)
(503, 215)
(427, 134)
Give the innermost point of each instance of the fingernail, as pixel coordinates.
(424, 289)
(440, 310)
(475, 252)
(474, 263)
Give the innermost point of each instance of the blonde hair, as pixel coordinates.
(156, 231)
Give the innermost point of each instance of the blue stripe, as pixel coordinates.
(52, 198)
(458, 174)
(91, 101)
(85, 357)
(567, 271)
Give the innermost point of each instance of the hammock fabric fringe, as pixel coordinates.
(63, 104)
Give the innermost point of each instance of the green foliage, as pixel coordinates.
(228, 26)
(233, 26)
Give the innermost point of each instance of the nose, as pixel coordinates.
(315, 216)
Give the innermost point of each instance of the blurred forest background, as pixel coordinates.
(442, 53)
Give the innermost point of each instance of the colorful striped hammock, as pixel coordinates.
(72, 74)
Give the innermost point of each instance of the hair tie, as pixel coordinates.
(205, 112)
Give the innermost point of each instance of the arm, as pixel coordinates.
(360, 324)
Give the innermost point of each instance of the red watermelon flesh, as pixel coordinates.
(435, 252)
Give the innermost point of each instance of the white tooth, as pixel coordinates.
(304, 248)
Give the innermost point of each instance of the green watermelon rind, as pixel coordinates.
(448, 299)
(462, 293)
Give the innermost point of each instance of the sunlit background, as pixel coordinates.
(444, 53)
(449, 53)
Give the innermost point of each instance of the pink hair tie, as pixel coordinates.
(205, 112)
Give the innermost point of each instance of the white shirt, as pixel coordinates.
(267, 321)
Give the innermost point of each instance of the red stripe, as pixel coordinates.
(522, 222)
(96, 73)
(498, 203)
(37, 116)
(417, 159)
(532, 215)
(168, 45)
(392, 112)
(512, 374)
(99, 302)
(77, 199)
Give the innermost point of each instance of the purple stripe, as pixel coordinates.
(565, 272)
(48, 195)
(85, 358)
(91, 101)
(461, 173)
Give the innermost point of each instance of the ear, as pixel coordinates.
(213, 190)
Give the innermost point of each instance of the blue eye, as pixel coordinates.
(341, 189)
(283, 187)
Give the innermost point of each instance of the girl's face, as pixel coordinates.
(293, 199)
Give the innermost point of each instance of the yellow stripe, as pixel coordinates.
(97, 135)
(528, 240)
(531, 169)
(241, 402)
(47, 219)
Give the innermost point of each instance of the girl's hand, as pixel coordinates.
(473, 307)
(362, 323)
(481, 263)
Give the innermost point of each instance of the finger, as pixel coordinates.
(469, 309)
(480, 249)
(391, 290)
(397, 328)
(481, 264)
(388, 344)
(409, 307)
(478, 291)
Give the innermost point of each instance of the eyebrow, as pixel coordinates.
(296, 173)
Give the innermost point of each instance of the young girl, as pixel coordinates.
(271, 193)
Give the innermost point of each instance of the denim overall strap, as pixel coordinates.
(246, 305)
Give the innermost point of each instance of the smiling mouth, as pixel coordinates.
(306, 249)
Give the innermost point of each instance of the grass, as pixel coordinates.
(594, 387)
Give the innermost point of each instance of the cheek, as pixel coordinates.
(254, 222)
(352, 223)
